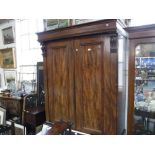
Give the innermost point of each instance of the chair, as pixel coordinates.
(33, 113)
(30, 101)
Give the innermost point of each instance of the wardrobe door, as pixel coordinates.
(60, 81)
(89, 84)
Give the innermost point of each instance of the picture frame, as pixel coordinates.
(10, 78)
(2, 116)
(50, 24)
(2, 81)
(82, 21)
(63, 23)
(19, 129)
(8, 58)
(8, 35)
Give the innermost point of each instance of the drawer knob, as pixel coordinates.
(89, 49)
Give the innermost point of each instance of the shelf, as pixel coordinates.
(146, 79)
(144, 57)
(145, 68)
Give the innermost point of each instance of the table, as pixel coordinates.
(13, 106)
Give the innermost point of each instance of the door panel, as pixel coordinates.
(60, 80)
(88, 82)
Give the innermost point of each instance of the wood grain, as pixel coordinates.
(88, 84)
(81, 76)
(97, 27)
(139, 32)
(59, 82)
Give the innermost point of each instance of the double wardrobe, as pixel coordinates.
(84, 76)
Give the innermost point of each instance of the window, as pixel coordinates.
(28, 49)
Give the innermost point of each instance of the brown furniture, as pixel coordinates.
(81, 75)
(33, 114)
(59, 127)
(13, 106)
(34, 117)
(137, 35)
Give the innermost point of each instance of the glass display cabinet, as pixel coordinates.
(141, 96)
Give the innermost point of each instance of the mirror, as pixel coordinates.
(144, 102)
